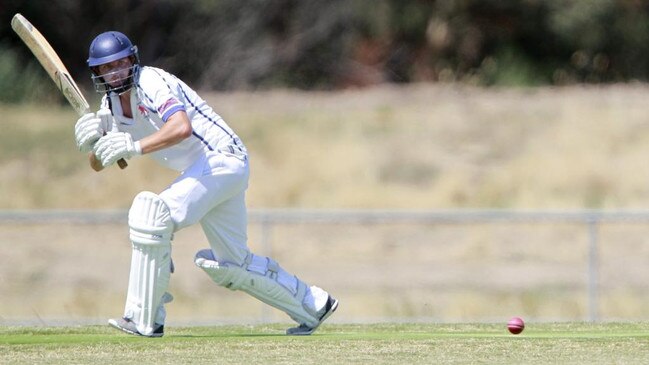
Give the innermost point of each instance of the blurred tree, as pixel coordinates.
(313, 44)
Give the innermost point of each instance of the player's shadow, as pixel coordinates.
(230, 335)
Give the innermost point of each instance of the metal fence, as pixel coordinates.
(268, 219)
(591, 219)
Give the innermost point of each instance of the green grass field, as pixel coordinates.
(546, 343)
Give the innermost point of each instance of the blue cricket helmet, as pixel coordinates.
(110, 46)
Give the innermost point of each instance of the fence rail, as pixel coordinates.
(288, 216)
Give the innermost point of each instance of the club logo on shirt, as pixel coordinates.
(167, 104)
(142, 110)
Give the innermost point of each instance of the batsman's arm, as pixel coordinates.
(95, 164)
(175, 130)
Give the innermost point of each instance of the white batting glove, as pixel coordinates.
(114, 146)
(91, 127)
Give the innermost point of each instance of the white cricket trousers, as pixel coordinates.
(212, 192)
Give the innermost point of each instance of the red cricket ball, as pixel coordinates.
(516, 325)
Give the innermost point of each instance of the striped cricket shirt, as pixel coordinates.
(155, 97)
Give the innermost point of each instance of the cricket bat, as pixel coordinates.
(51, 62)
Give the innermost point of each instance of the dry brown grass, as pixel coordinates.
(429, 146)
(418, 146)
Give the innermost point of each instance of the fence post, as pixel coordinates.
(593, 270)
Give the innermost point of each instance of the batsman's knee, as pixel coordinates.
(225, 275)
(150, 220)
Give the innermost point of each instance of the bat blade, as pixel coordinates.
(51, 62)
(49, 59)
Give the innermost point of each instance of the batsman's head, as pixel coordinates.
(114, 62)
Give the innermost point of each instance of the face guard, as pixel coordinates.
(107, 48)
(117, 80)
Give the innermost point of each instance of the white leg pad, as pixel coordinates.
(262, 278)
(151, 231)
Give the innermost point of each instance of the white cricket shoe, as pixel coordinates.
(128, 326)
(305, 330)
